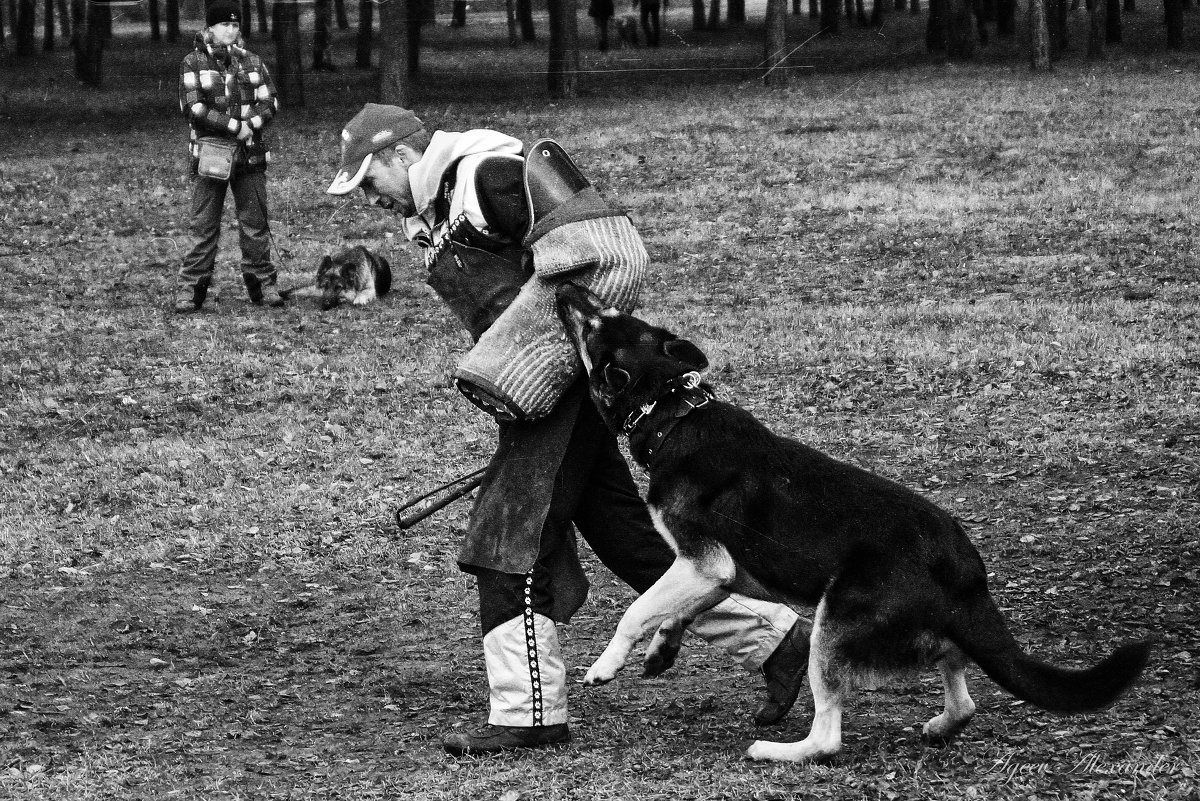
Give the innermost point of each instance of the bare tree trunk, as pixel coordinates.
(89, 42)
(1057, 10)
(914, 7)
(366, 21)
(1, 28)
(960, 33)
(525, 17)
(289, 65)
(172, 21)
(775, 44)
(1113, 33)
(699, 19)
(937, 29)
(393, 54)
(1173, 11)
(737, 11)
(1097, 28)
(1039, 37)
(418, 12)
(155, 21)
(714, 14)
(26, 14)
(1130, 6)
(563, 76)
(261, 5)
(510, 12)
(814, 9)
(339, 14)
(1006, 18)
(878, 9)
(322, 22)
(830, 14)
(247, 17)
(48, 26)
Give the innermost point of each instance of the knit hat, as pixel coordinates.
(223, 11)
(372, 129)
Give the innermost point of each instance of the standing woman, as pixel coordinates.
(227, 95)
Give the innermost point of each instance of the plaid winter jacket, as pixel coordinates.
(221, 87)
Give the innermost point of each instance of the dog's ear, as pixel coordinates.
(686, 352)
(324, 265)
(616, 378)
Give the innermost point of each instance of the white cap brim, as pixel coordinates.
(345, 182)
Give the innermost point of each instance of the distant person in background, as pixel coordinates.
(226, 93)
(602, 12)
(650, 20)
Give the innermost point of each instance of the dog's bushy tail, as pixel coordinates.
(983, 635)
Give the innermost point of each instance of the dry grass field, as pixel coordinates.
(978, 281)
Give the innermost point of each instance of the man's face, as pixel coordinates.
(225, 33)
(386, 182)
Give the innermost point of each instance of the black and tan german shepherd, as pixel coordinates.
(895, 581)
(354, 275)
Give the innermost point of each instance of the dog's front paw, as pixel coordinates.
(804, 751)
(601, 672)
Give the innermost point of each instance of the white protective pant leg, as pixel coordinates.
(527, 677)
(747, 629)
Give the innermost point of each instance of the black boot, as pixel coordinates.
(263, 292)
(492, 739)
(191, 299)
(785, 671)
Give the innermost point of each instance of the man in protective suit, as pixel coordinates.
(469, 202)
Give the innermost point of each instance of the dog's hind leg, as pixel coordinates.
(829, 684)
(959, 706)
(681, 593)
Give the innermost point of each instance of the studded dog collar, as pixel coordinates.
(648, 430)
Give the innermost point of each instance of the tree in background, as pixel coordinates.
(563, 75)
(26, 9)
(289, 67)
(1039, 36)
(322, 39)
(393, 53)
(1112, 22)
(1173, 10)
(775, 44)
(1097, 29)
(525, 19)
(366, 19)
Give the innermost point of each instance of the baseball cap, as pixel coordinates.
(375, 127)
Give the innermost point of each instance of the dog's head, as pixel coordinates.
(628, 361)
(337, 277)
(341, 276)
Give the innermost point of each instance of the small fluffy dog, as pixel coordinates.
(355, 275)
(896, 582)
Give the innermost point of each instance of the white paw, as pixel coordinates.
(599, 673)
(944, 727)
(803, 751)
